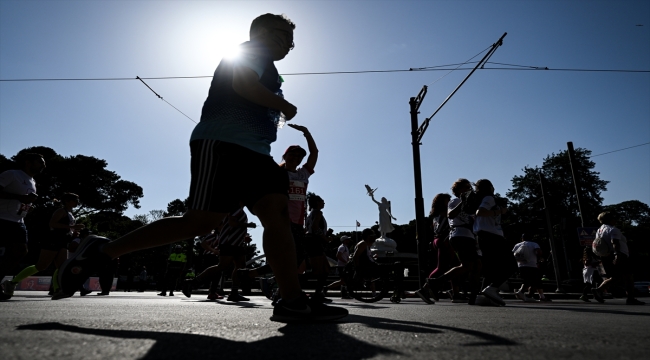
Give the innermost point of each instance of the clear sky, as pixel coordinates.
(499, 122)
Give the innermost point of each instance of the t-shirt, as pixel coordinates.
(315, 229)
(227, 116)
(213, 240)
(345, 253)
(528, 258)
(460, 224)
(608, 232)
(298, 194)
(491, 224)
(19, 183)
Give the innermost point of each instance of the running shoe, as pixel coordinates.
(320, 298)
(235, 297)
(4, 296)
(303, 310)
(214, 296)
(188, 284)
(633, 301)
(101, 294)
(8, 287)
(171, 294)
(424, 295)
(84, 292)
(598, 295)
(492, 293)
(86, 260)
(585, 298)
(520, 295)
(162, 294)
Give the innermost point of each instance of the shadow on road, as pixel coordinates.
(587, 310)
(297, 340)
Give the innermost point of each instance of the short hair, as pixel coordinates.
(606, 217)
(455, 187)
(367, 232)
(24, 158)
(69, 197)
(267, 20)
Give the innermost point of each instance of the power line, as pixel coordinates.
(432, 68)
(609, 152)
(161, 98)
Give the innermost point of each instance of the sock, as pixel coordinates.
(55, 281)
(27, 272)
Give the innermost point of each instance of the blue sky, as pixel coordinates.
(499, 122)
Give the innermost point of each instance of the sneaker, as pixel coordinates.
(598, 295)
(303, 310)
(585, 298)
(8, 287)
(188, 284)
(85, 261)
(162, 294)
(100, 294)
(633, 301)
(320, 298)
(4, 296)
(492, 293)
(520, 295)
(235, 297)
(84, 292)
(171, 294)
(214, 296)
(424, 295)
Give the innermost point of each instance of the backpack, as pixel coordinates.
(600, 246)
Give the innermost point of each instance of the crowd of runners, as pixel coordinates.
(232, 169)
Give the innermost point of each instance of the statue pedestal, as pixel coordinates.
(384, 245)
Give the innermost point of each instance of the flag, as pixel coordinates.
(358, 225)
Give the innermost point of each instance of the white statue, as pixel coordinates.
(385, 225)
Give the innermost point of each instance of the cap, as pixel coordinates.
(345, 237)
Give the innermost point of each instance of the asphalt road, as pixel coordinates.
(145, 326)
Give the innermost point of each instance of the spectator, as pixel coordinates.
(592, 274)
(175, 265)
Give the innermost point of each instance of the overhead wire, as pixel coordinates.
(613, 151)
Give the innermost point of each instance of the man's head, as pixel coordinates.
(369, 236)
(276, 31)
(293, 156)
(31, 163)
(607, 218)
(345, 240)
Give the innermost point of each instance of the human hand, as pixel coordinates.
(300, 128)
(289, 111)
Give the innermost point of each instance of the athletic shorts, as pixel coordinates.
(314, 246)
(12, 232)
(55, 242)
(225, 174)
(231, 250)
(465, 248)
(531, 276)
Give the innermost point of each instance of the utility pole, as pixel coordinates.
(556, 266)
(416, 137)
(572, 162)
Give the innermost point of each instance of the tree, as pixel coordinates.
(176, 207)
(631, 213)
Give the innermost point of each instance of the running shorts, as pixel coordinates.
(225, 174)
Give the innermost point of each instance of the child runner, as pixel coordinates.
(527, 253)
(230, 163)
(591, 274)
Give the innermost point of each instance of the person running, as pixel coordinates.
(591, 274)
(72, 247)
(497, 259)
(618, 260)
(17, 194)
(231, 163)
(463, 242)
(342, 259)
(317, 237)
(366, 267)
(232, 251)
(54, 249)
(175, 266)
(528, 254)
(209, 244)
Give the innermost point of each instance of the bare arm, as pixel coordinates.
(246, 84)
(26, 198)
(311, 145)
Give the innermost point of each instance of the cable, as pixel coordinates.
(161, 98)
(609, 152)
(440, 68)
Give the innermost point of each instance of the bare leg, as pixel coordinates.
(278, 243)
(165, 231)
(45, 258)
